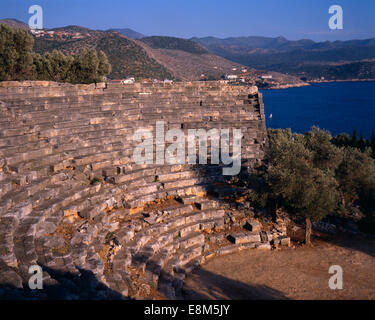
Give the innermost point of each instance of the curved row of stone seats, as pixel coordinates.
(69, 149)
(172, 242)
(174, 231)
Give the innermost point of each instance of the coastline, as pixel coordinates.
(287, 86)
(307, 83)
(346, 80)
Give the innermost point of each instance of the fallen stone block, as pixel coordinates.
(228, 249)
(263, 246)
(284, 241)
(254, 226)
(250, 245)
(239, 238)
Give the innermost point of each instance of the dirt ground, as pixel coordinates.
(298, 272)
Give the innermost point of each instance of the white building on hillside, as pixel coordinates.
(231, 77)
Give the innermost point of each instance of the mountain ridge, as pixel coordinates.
(127, 32)
(212, 57)
(303, 58)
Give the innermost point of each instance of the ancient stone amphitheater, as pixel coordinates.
(101, 226)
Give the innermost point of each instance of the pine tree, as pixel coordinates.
(361, 143)
(354, 138)
(104, 66)
(373, 143)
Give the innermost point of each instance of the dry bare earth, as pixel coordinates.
(292, 273)
(188, 66)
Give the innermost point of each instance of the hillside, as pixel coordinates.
(72, 29)
(14, 23)
(303, 58)
(172, 43)
(186, 59)
(363, 70)
(127, 58)
(150, 57)
(128, 33)
(154, 57)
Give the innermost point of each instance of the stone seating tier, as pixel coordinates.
(68, 181)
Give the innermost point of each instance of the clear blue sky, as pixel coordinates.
(294, 19)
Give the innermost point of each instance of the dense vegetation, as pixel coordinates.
(158, 42)
(313, 175)
(19, 62)
(127, 58)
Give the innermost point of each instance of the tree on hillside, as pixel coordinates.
(354, 138)
(326, 155)
(16, 59)
(310, 176)
(342, 140)
(85, 67)
(297, 178)
(104, 67)
(53, 66)
(355, 175)
(89, 67)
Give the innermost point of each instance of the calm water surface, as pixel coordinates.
(337, 107)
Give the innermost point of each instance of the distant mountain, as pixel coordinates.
(129, 33)
(301, 58)
(14, 23)
(250, 43)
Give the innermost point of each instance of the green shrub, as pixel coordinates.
(311, 176)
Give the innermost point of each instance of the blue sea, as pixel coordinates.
(336, 106)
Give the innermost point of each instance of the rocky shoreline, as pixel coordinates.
(347, 80)
(307, 83)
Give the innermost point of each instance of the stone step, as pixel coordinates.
(172, 274)
(22, 193)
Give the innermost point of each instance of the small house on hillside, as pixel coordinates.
(231, 77)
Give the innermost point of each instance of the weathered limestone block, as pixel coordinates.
(228, 249)
(191, 199)
(284, 241)
(263, 246)
(188, 229)
(191, 241)
(240, 238)
(254, 226)
(206, 205)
